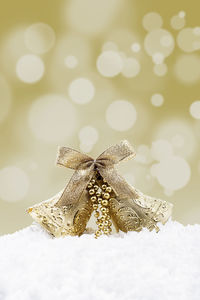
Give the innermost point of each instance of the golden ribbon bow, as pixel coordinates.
(85, 166)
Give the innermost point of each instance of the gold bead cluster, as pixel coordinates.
(99, 196)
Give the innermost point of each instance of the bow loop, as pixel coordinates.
(73, 159)
(119, 152)
(85, 167)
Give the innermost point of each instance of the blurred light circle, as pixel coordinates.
(195, 110)
(121, 115)
(71, 53)
(91, 16)
(187, 68)
(52, 118)
(173, 173)
(152, 21)
(89, 135)
(14, 184)
(188, 40)
(110, 46)
(12, 48)
(39, 38)
(86, 147)
(159, 41)
(160, 70)
(81, 90)
(157, 100)
(71, 61)
(177, 22)
(178, 141)
(30, 68)
(170, 128)
(5, 98)
(182, 14)
(196, 45)
(109, 63)
(143, 154)
(161, 149)
(166, 40)
(158, 58)
(196, 31)
(131, 67)
(135, 47)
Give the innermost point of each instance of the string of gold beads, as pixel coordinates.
(99, 196)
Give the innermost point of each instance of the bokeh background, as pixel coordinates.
(87, 74)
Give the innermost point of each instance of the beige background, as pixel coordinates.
(54, 84)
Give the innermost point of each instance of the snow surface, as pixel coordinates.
(138, 266)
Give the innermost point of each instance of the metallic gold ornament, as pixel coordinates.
(90, 185)
(103, 209)
(93, 199)
(98, 194)
(91, 191)
(104, 202)
(109, 189)
(95, 206)
(106, 195)
(95, 187)
(99, 200)
(128, 209)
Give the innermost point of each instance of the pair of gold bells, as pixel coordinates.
(97, 187)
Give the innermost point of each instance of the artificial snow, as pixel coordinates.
(134, 266)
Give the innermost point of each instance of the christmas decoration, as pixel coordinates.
(96, 187)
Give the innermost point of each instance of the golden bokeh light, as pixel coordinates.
(180, 134)
(178, 22)
(39, 38)
(109, 63)
(71, 61)
(160, 69)
(135, 47)
(30, 68)
(188, 39)
(161, 149)
(152, 21)
(195, 109)
(173, 173)
(81, 90)
(52, 118)
(159, 41)
(187, 69)
(88, 137)
(131, 67)
(91, 16)
(157, 100)
(124, 110)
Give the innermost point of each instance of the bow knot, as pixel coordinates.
(85, 166)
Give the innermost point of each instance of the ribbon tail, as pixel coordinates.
(121, 188)
(75, 187)
(118, 183)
